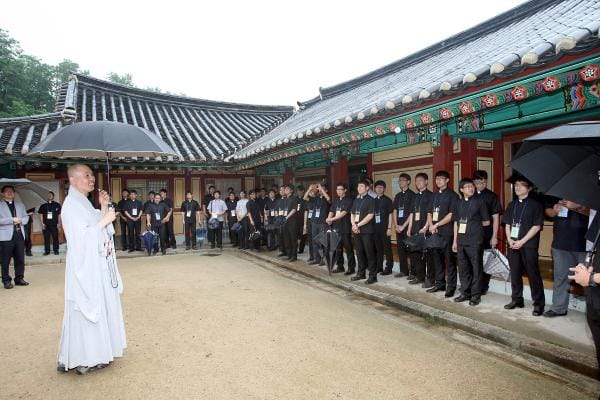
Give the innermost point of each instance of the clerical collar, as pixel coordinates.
(421, 191)
(443, 190)
(361, 197)
(8, 201)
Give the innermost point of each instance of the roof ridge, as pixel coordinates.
(30, 117)
(514, 14)
(86, 80)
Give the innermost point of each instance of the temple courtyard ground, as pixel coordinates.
(230, 326)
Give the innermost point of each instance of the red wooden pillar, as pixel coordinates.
(337, 173)
(442, 155)
(468, 157)
(288, 175)
(370, 165)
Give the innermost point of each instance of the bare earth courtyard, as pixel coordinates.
(228, 328)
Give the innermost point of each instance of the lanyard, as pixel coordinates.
(359, 205)
(438, 198)
(522, 211)
(420, 196)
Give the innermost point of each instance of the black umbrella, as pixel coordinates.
(104, 140)
(329, 241)
(564, 162)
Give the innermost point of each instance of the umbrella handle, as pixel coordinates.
(590, 254)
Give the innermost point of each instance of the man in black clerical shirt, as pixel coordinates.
(470, 215)
(440, 222)
(524, 219)
(383, 229)
(402, 208)
(171, 242)
(339, 220)
(362, 214)
(50, 220)
(191, 214)
(133, 213)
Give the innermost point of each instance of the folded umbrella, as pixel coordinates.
(333, 241)
(149, 238)
(201, 235)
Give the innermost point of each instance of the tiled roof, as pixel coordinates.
(530, 35)
(201, 131)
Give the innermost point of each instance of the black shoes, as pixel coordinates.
(313, 262)
(309, 260)
(282, 255)
(537, 311)
(461, 298)
(372, 279)
(387, 271)
(358, 277)
(449, 293)
(28, 254)
(436, 288)
(56, 253)
(552, 314)
(131, 251)
(427, 284)
(8, 285)
(415, 281)
(349, 272)
(474, 301)
(338, 270)
(400, 275)
(514, 304)
(46, 253)
(21, 282)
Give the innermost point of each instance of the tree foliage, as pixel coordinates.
(122, 79)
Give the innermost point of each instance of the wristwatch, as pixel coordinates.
(591, 282)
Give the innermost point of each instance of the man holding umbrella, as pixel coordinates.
(157, 218)
(121, 205)
(133, 213)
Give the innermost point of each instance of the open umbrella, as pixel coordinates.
(564, 162)
(31, 194)
(104, 140)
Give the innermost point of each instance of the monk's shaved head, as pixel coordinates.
(77, 170)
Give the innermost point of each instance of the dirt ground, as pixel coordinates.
(225, 328)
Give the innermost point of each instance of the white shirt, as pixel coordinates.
(240, 209)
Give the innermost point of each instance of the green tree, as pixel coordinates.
(122, 79)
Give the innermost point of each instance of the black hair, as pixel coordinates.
(422, 175)
(300, 187)
(343, 185)
(369, 180)
(480, 174)
(442, 174)
(163, 190)
(151, 193)
(465, 181)
(125, 190)
(217, 191)
(7, 187)
(364, 182)
(130, 192)
(51, 192)
(380, 183)
(290, 186)
(405, 176)
(211, 187)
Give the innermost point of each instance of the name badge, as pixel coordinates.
(436, 215)
(462, 226)
(564, 212)
(317, 213)
(134, 211)
(157, 216)
(310, 214)
(272, 213)
(401, 213)
(188, 213)
(213, 215)
(233, 213)
(514, 231)
(356, 217)
(49, 215)
(377, 219)
(417, 216)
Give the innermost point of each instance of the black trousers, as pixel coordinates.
(243, 233)
(423, 265)
(444, 265)
(133, 233)
(526, 260)
(315, 229)
(51, 232)
(255, 243)
(593, 320)
(233, 236)
(281, 241)
(28, 236)
(302, 238)
(15, 249)
(217, 236)
(365, 252)
(162, 231)
(347, 245)
(122, 225)
(383, 247)
(189, 231)
(405, 268)
(470, 270)
(171, 233)
(309, 236)
(290, 237)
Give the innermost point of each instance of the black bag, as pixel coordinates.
(435, 241)
(255, 235)
(415, 243)
(236, 227)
